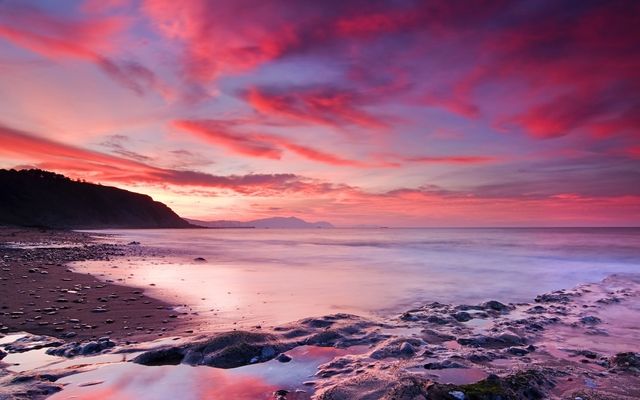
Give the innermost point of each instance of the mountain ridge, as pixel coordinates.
(264, 223)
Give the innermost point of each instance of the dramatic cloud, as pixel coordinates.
(222, 133)
(450, 159)
(216, 42)
(85, 39)
(424, 110)
(325, 106)
(74, 160)
(219, 133)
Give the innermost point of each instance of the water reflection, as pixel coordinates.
(123, 381)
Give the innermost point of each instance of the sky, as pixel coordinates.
(360, 112)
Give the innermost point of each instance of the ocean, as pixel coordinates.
(272, 276)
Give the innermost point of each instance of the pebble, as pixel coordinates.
(407, 349)
(458, 395)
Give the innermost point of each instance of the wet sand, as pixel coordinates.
(41, 295)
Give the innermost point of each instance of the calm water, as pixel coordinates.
(275, 276)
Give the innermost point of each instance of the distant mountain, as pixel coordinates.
(45, 199)
(266, 223)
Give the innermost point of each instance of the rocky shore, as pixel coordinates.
(563, 345)
(576, 344)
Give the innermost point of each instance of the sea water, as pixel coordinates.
(272, 276)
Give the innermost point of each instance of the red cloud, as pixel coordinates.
(79, 162)
(323, 106)
(316, 155)
(217, 42)
(634, 152)
(221, 133)
(450, 159)
(576, 71)
(55, 37)
(218, 133)
(85, 39)
(213, 46)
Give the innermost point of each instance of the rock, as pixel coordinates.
(495, 306)
(69, 335)
(517, 351)
(283, 358)
(552, 298)
(407, 349)
(536, 310)
(280, 394)
(458, 395)
(590, 320)
(479, 358)
(267, 352)
(73, 349)
(225, 350)
(436, 319)
(525, 385)
(408, 317)
(89, 348)
(200, 259)
(585, 353)
(169, 356)
(446, 364)
(317, 322)
(497, 342)
(627, 361)
(462, 316)
(396, 348)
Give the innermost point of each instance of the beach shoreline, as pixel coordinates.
(567, 344)
(40, 294)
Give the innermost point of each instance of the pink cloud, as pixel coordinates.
(220, 134)
(324, 106)
(450, 159)
(55, 37)
(89, 39)
(213, 46)
(225, 134)
(78, 162)
(570, 72)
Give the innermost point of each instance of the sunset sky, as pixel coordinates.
(397, 113)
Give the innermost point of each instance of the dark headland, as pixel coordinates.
(37, 198)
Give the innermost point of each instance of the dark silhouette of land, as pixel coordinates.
(37, 198)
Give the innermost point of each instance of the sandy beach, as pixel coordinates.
(568, 344)
(41, 295)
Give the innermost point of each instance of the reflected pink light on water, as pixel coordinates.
(125, 380)
(138, 382)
